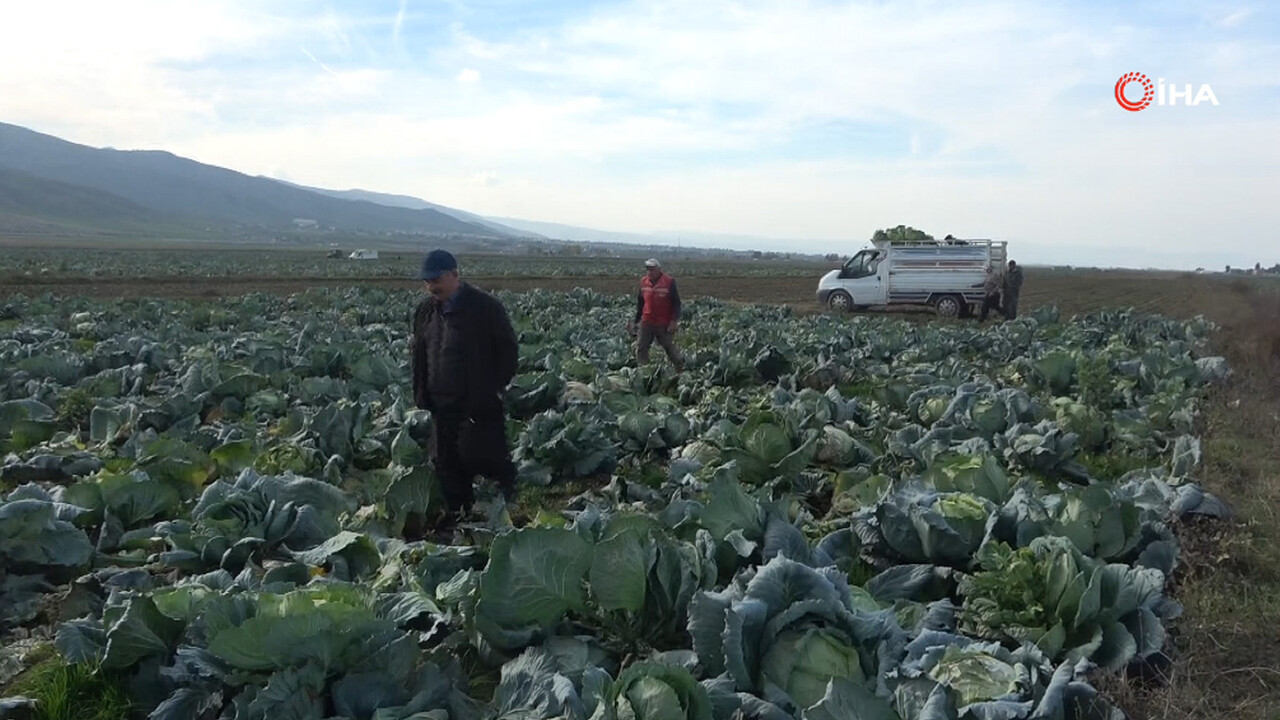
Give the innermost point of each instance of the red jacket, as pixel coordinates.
(659, 301)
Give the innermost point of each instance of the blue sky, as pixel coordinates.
(811, 124)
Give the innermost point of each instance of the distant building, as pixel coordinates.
(363, 255)
(305, 224)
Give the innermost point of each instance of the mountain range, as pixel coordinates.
(413, 203)
(53, 187)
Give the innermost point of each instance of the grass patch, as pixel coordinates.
(72, 692)
(864, 390)
(1113, 465)
(1226, 646)
(641, 471)
(74, 407)
(534, 499)
(117, 464)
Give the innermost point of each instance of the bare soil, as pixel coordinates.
(1174, 294)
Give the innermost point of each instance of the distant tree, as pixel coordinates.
(832, 257)
(1228, 270)
(901, 234)
(756, 254)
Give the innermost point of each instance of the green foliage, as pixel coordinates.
(1112, 465)
(1008, 591)
(1095, 380)
(37, 532)
(900, 234)
(1066, 603)
(68, 691)
(785, 528)
(651, 691)
(74, 407)
(801, 628)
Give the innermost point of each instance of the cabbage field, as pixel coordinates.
(205, 508)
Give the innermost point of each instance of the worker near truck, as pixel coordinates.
(657, 314)
(992, 285)
(464, 354)
(1012, 286)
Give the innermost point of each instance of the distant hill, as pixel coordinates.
(413, 203)
(199, 194)
(664, 240)
(49, 185)
(32, 204)
(388, 199)
(559, 231)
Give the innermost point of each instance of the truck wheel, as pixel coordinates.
(840, 300)
(948, 306)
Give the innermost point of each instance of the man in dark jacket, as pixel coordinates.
(658, 312)
(464, 356)
(1012, 286)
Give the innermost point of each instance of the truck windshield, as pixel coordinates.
(862, 264)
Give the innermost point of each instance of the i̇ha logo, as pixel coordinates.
(1156, 92)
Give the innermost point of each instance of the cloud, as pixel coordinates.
(1234, 18)
(819, 120)
(398, 26)
(313, 59)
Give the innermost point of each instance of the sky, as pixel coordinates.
(807, 125)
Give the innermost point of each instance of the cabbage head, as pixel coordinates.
(990, 415)
(1088, 423)
(702, 451)
(803, 660)
(932, 410)
(576, 393)
(835, 446)
(654, 691)
(1056, 371)
(782, 631)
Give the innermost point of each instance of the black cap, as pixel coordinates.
(436, 263)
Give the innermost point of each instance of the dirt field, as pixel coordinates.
(1226, 647)
(1175, 294)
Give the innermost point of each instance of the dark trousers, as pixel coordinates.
(463, 448)
(990, 302)
(649, 333)
(1011, 305)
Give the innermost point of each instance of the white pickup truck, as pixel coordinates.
(945, 275)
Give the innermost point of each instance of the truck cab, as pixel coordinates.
(857, 283)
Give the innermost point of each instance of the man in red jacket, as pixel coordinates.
(658, 312)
